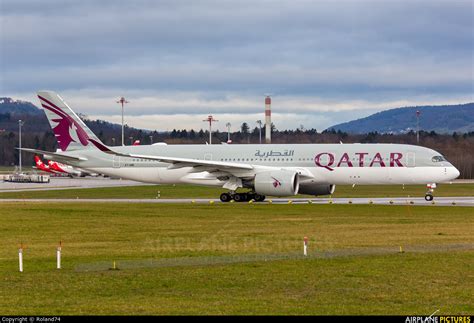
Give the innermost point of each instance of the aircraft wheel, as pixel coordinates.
(241, 197)
(259, 198)
(429, 197)
(225, 197)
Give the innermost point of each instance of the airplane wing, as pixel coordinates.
(214, 169)
(189, 162)
(177, 162)
(237, 170)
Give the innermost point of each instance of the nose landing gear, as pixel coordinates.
(429, 193)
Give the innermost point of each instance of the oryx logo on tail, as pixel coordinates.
(67, 130)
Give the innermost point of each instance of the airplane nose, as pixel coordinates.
(454, 172)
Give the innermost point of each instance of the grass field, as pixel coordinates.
(236, 259)
(6, 169)
(193, 191)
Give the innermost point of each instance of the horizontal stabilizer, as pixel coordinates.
(49, 153)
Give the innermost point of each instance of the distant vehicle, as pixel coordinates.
(136, 143)
(27, 178)
(276, 170)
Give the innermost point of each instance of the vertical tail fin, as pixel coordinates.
(41, 166)
(70, 131)
(55, 166)
(38, 161)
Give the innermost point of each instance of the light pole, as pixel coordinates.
(210, 119)
(131, 141)
(122, 101)
(228, 125)
(259, 122)
(20, 123)
(151, 140)
(113, 141)
(418, 126)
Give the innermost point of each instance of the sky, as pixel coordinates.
(323, 62)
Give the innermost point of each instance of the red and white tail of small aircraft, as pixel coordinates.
(136, 143)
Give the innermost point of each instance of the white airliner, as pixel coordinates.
(275, 170)
(58, 168)
(68, 169)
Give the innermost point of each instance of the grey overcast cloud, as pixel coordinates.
(324, 62)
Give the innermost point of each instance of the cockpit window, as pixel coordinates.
(438, 159)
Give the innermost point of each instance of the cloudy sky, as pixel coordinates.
(324, 62)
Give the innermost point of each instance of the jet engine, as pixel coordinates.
(277, 183)
(316, 189)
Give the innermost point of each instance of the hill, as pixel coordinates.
(11, 106)
(35, 121)
(441, 119)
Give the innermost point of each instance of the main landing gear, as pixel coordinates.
(242, 197)
(429, 193)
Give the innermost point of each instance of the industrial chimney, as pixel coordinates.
(268, 120)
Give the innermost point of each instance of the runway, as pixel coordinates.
(61, 183)
(439, 201)
(95, 182)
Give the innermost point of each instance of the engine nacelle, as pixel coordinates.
(277, 183)
(316, 189)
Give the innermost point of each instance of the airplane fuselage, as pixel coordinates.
(359, 164)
